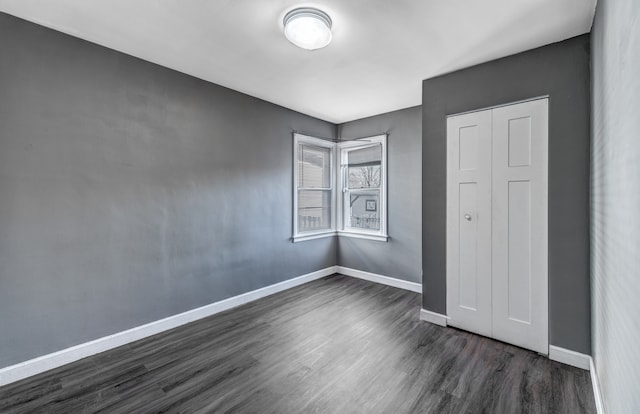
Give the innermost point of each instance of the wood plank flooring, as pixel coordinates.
(335, 345)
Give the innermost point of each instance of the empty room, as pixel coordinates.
(279, 206)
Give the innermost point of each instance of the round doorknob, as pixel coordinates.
(467, 217)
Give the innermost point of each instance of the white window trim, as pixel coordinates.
(337, 189)
(380, 235)
(363, 235)
(305, 139)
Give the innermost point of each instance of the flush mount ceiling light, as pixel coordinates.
(308, 28)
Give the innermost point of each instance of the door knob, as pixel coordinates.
(467, 217)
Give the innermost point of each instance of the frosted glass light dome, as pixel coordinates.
(308, 28)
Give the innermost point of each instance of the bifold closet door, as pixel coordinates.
(469, 222)
(497, 223)
(520, 229)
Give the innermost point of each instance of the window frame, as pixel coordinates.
(300, 139)
(344, 147)
(338, 182)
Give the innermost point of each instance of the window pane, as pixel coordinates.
(365, 167)
(364, 210)
(314, 167)
(314, 210)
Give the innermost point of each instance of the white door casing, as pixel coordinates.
(497, 232)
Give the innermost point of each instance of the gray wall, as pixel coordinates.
(130, 192)
(615, 203)
(560, 70)
(400, 257)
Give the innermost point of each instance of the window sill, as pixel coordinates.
(305, 237)
(376, 237)
(353, 235)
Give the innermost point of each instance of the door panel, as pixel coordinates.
(519, 225)
(468, 138)
(519, 251)
(469, 222)
(519, 141)
(468, 254)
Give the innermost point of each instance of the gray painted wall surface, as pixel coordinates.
(560, 70)
(615, 203)
(130, 192)
(400, 257)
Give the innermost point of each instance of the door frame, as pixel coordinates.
(486, 108)
(447, 212)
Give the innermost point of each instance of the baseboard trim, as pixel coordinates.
(566, 356)
(434, 318)
(384, 280)
(595, 384)
(57, 359)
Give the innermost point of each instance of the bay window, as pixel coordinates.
(340, 188)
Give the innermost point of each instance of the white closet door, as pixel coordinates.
(519, 207)
(469, 221)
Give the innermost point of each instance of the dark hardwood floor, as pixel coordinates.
(336, 345)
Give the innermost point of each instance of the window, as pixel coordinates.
(363, 188)
(357, 169)
(314, 179)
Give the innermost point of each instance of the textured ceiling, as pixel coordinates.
(380, 53)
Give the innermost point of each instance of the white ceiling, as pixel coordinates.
(380, 53)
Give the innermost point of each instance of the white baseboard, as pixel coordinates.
(46, 362)
(566, 356)
(595, 384)
(432, 317)
(582, 361)
(384, 280)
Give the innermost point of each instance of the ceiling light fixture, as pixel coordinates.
(308, 28)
